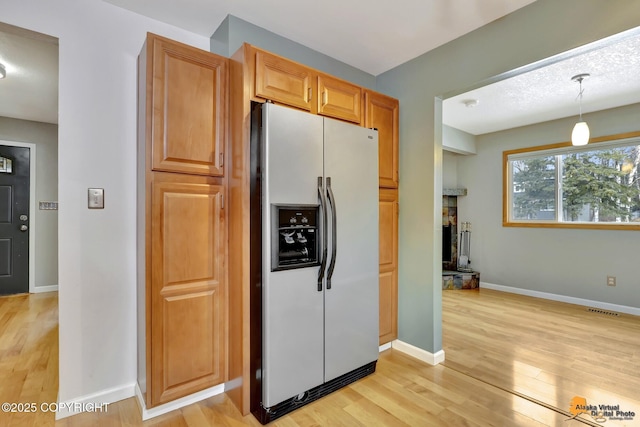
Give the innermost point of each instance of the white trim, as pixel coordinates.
(384, 347)
(32, 207)
(83, 403)
(175, 404)
(42, 289)
(418, 353)
(563, 298)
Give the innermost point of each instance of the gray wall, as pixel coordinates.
(533, 33)
(45, 137)
(567, 262)
(458, 141)
(233, 32)
(450, 169)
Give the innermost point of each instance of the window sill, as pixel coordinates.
(579, 225)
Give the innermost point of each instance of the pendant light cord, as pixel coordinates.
(579, 97)
(579, 78)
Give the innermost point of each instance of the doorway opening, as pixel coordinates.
(29, 121)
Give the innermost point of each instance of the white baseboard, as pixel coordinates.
(418, 353)
(563, 298)
(384, 347)
(176, 404)
(42, 289)
(98, 402)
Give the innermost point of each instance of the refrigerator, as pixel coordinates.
(314, 257)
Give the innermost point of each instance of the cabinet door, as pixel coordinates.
(339, 99)
(188, 314)
(388, 265)
(189, 108)
(283, 81)
(381, 112)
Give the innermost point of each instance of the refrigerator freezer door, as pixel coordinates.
(351, 305)
(293, 330)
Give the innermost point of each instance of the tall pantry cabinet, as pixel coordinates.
(182, 221)
(382, 113)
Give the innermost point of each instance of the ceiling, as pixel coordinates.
(30, 90)
(381, 34)
(548, 92)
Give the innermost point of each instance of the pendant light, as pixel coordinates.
(580, 134)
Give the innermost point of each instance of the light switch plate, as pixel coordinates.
(96, 198)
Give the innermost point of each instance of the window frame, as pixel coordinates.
(507, 180)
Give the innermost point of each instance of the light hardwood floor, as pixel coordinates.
(546, 350)
(28, 355)
(488, 337)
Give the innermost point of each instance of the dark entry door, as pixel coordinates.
(14, 219)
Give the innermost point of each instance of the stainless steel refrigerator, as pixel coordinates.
(314, 257)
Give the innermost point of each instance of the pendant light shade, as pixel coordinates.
(580, 134)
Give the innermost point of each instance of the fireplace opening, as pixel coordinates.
(446, 243)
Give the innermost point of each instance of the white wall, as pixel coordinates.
(567, 262)
(99, 44)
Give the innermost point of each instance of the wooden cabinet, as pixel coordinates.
(284, 81)
(189, 97)
(181, 220)
(388, 265)
(381, 112)
(287, 82)
(339, 99)
(187, 288)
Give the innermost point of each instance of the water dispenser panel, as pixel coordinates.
(294, 237)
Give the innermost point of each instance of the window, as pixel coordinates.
(594, 186)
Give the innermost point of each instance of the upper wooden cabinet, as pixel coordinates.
(187, 107)
(281, 80)
(287, 82)
(381, 112)
(339, 99)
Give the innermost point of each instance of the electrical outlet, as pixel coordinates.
(611, 280)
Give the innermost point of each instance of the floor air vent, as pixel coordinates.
(608, 313)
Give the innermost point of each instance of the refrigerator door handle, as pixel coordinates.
(334, 232)
(323, 238)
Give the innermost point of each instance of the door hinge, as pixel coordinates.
(309, 93)
(222, 201)
(221, 159)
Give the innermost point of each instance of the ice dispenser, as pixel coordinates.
(294, 236)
